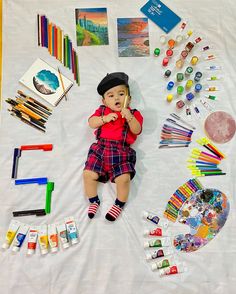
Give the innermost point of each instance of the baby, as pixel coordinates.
(111, 157)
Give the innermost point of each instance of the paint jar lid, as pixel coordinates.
(54, 249)
(74, 241)
(5, 246)
(146, 244)
(154, 266)
(44, 251)
(30, 251)
(66, 245)
(148, 256)
(15, 249)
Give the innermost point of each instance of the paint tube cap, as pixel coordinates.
(54, 249)
(148, 256)
(5, 246)
(66, 245)
(154, 266)
(146, 232)
(44, 251)
(145, 214)
(15, 249)
(74, 241)
(30, 251)
(146, 244)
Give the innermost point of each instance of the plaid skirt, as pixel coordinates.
(110, 159)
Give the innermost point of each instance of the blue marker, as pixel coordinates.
(40, 181)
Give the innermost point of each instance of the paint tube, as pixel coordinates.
(166, 262)
(53, 238)
(159, 253)
(71, 230)
(162, 242)
(32, 240)
(172, 270)
(157, 232)
(43, 239)
(20, 237)
(62, 233)
(152, 217)
(10, 234)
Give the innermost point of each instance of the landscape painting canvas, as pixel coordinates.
(133, 37)
(91, 26)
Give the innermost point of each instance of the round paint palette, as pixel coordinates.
(205, 212)
(220, 127)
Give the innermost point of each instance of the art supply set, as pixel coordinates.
(59, 45)
(29, 111)
(175, 134)
(179, 197)
(203, 163)
(47, 236)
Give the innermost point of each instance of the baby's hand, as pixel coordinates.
(125, 112)
(110, 117)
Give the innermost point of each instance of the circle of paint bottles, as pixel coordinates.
(157, 51)
(165, 61)
(184, 54)
(180, 104)
(169, 52)
(189, 96)
(171, 43)
(179, 38)
(198, 88)
(188, 71)
(163, 39)
(170, 85)
(169, 97)
(167, 73)
(180, 90)
(198, 76)
(189, 84)
(179, 77)
(189, 46)
(179, 63)
(194, 60)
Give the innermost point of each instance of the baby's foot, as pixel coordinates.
(113, 213)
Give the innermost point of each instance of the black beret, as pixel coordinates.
(112, 80)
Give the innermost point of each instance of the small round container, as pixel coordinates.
(179, 77)
(180, 90)
(189, 84)
(198, 88)
(189, 46)
(165, 61)
(170, 85)
(162, 39)
(190, 96)
(171, 43)
(179, 63)
(194, 60)
(179, 39)
(169, 97)
(167, 73)
(184, 54)
(157, 51)
(180, 104)
(198, 76)
(169, 52)
(188, 71)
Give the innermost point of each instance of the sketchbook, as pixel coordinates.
(47, 82)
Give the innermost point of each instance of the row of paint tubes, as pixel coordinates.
(47, 235)
(168, 264)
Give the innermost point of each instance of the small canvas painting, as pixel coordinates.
(133, 37)
(91, 26)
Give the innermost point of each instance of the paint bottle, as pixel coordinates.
(32, 240)
(152, 217)
(62, 233)
(157, 232)
(161, 242)
(166, 262)
(71, 230)
(159, 253)
(11, 232)
(20, 237)
(172, 270)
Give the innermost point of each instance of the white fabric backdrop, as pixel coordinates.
(110, 256)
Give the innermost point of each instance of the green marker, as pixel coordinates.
(210, 97)
(49, 189)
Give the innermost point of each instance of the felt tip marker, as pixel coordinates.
(213, 67)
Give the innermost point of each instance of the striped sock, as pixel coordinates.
(115, 210)
(93, 207)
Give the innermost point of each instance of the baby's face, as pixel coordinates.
(114, 98)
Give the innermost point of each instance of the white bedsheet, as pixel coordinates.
(110, 256)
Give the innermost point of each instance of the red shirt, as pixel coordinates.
(113, 129)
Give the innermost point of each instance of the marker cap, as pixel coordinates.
(146, 244)
(74, 241)
(15, 249)
(146, 233)
(148, 256)
(30, 251)
(66, 245)
(154, 266)
(44, 251)
(5, 246)
(54, 249)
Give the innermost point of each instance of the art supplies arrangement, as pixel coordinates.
(47, 82)
(29, 110)
(59, 45)
(205, 212)
(179, 197)
(202, 163)
(176, 133)
(47, 236)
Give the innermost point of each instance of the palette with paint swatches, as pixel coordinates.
(179, 197)
(202, 164)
